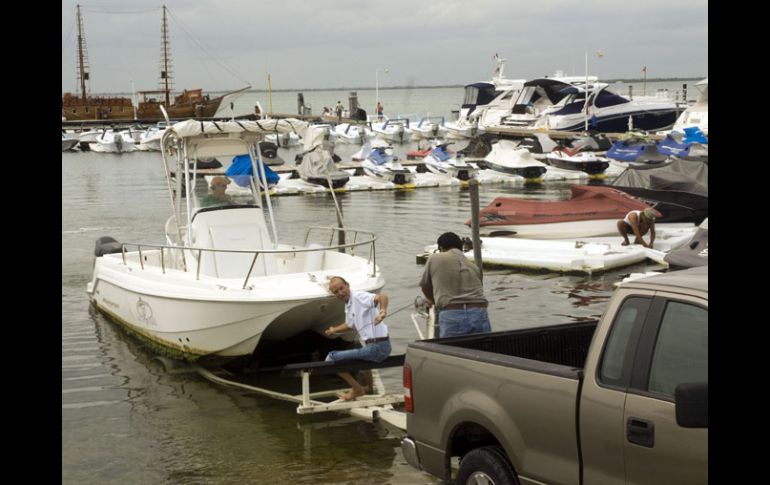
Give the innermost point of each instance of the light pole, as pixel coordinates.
(377, 86)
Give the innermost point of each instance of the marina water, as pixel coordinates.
(127, 418)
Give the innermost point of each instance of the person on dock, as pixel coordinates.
(453, 284)
(361, 314)
(638, 223)
(379, 111)
(338, 109)
(217, 196)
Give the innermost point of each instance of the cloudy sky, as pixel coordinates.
(225, 44)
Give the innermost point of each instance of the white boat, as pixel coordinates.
(696, 115)
(506, 157)
(439, 161)
(111, 141)
(222, 283)
(351, 133)
(395, 130)
(149, 140)
(380, 164)
(68, 141)
(429, 127)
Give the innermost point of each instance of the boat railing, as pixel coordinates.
(369, 239)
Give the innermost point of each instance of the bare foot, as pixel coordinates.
(353, 394)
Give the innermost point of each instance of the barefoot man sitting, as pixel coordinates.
(361, 314)
(638, 223)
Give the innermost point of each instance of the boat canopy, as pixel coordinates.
(479, 94)
(228, 138)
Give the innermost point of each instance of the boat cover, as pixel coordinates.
(588, 202)
(680, 175)
(694, 253)
(316, 162)
(506, 153)
(678, 189)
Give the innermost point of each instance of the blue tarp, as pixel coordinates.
(241, 171)
(693, 134)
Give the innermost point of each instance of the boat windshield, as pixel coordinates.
(223, 190)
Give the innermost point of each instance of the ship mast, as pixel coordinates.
(165, 66)
(82, 57)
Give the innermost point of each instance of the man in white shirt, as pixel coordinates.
(361, 315)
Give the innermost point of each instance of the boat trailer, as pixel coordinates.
(369, 406)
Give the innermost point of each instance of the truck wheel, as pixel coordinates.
(486, 466)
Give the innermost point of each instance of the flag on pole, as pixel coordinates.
(644, 69)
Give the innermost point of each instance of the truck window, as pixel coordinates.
(618, 357)
(681, 349)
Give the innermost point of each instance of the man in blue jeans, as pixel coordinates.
(453, 283)
(361, 314)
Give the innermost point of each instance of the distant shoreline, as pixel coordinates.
(382, 88)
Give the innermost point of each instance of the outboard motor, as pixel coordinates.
(107, 245)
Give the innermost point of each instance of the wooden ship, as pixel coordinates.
(191, 103)
(82, 106)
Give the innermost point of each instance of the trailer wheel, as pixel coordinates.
(486, 466)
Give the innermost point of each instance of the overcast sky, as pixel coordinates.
(224, 44)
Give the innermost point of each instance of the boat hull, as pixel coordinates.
(591, 167)
(557, 230)
(531, 172)
(463, 173)
(191, 318)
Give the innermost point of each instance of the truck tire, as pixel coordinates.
(486, 466)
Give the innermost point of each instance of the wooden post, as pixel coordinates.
(473, 187)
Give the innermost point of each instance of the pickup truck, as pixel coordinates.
(622, 399)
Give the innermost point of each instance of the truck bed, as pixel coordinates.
(563, 348)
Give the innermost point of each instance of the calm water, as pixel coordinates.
(126, 419)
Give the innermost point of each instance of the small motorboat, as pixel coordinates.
(315, 165)
(112, 141)
(439, 161)
(394, 130)
(380, 164)
(506, 157)
(352, 134)
(68, 141)
(429, 127)
(577, 159)
(223, 286)
(592, 211)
